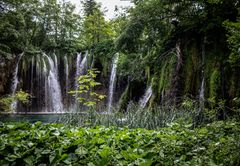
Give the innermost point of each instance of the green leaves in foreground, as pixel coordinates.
(54, 144)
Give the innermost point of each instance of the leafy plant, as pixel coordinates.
(56, 144)
(20, 96)
(85, 93)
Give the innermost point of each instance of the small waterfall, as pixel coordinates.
(46, 93)
(144, 100)
(202, 90)
(81, 67)
(54, 88)
(32, 67)
(15, 82)
(112, 82)
(66, 74)
(79, 59)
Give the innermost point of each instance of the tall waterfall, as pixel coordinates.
(54, 88)
(112, 82)
(32, 67)
(202, 88)
(66, 74)
(15, 82)
(144, 100)
(78, 63)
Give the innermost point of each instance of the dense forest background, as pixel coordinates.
(185, 50)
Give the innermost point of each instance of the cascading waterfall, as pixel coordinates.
(15, 82)
(41, 77)
(112, 82)
(81, 66)
(66, 74)
(32, 67)
(202, 88)
(46, 93)
(144, 100)
(78, 63)
(54, 88)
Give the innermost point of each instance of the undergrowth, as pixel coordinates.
(56, 144)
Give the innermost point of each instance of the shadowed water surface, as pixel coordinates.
(45, 118)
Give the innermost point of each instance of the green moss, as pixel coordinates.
(190, 72)
(123, 103)
(148, 74)
(154, 99)
(166, 73)
(215, 83)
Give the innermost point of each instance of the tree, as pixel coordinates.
(86, 85)
(30, 25)
(95, 28)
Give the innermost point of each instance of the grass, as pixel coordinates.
(136, 117)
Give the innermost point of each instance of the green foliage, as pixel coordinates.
(55, 144)
(234, 43)
(153, 29)
(215, 83)
(124, 99)
(95, 28)
(32, 25)
(20, 96)
(86, 85)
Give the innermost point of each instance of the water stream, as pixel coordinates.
(15, 82)
(66, 75)
(144, 100)
(112, 82)
(54, 88)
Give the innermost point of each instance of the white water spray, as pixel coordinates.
(54, 88)
(112, 82)
(66, 74)
(15, 82)
(144, 100)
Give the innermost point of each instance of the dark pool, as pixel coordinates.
(45, 118)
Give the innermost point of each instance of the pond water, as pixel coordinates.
(45, 118)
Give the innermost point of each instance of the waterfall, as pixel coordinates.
(144, 100)
(66, 74)
(78, 62)
(32, 66)
(46, 93)
(54, 88)
(15, 82)
(112, 82)
(202, 88)
(81, 67)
